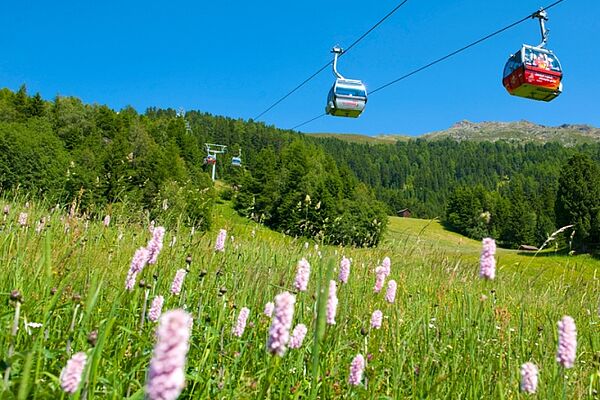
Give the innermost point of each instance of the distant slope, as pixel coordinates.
(358, 138)
(422, 239)
(518, 132)
(428, 238)
(513, 132)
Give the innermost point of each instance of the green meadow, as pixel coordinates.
(448, 335)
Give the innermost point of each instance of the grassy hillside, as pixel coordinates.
(430, 238)
(447, 334)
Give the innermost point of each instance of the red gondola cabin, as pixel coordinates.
(534, 73)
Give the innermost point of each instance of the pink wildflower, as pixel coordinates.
(529, 378)
(487, 262)
(239, 328)
(269, 309)
(298, 335)
(156, 308)
(166, 375)
(332, 303)
(23, 219)
(178, 281)
(155, 244)
(386, 264)
(279, 332)
(140, 258)
(220, 243)
(376, 319)
(302, 275)
(567, 342)
(390, 294)
(106, 221)
(344, 270)
(379, 279)
(70, 377)
(356, 370)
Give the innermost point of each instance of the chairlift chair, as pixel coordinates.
(210, 160)
(236, 161)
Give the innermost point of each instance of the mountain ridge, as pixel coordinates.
(517, 132)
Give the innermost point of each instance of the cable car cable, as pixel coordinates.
(442, 58)
(459, 50)
(293, 90)
(304, 82)
(374, 27)
(309, 121)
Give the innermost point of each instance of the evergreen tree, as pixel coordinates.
(37, 106)
(578, 199)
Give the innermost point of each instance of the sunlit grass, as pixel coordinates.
(449, 334)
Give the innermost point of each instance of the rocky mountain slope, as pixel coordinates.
(514, 132)
(518, 132)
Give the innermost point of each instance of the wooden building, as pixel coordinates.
(405, 213)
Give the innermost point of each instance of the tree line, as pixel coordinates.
(299, 184)
(519, 194)
(65, 150)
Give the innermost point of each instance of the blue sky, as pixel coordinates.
(235, 58)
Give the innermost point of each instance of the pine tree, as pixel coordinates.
(578, 200)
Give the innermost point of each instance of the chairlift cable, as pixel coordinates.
(304, 82)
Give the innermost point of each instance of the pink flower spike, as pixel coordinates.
(567, 342)
(140, 258)
(379, 279)
(302, 275)
(220, 243)
(239, 328)
(529, 378)
(155, 244)
(390, 294)
(487, 261)
(386, 264)
(178, 281)
(376, 319)
(166, 375)
(156, 308)
(106, 221)
(344, 270)
(23, 219)
(298, 335)
(279, 332)
(269, 309)
(332, 303)
(70, 377)
(356, 370)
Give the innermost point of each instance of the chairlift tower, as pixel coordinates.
(212, 150)
(188, 127)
